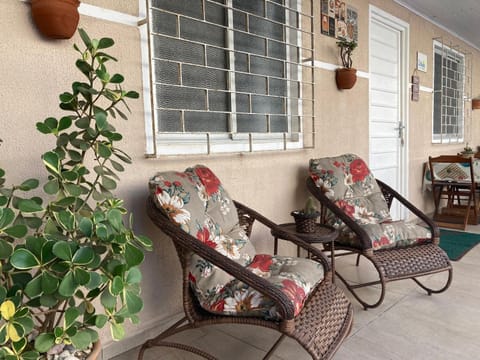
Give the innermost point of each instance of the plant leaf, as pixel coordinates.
(86, 226)
(49, 283)
(52, 162)
(81, 340)
(24, 259)
(63, 250)
(66, 219)
(67, 285)
(34, 287)
(107, 299)
(82, 277)
(83, 256)
(6, 217)
(7, 309)
(29, 184)
(43, 342)
(17, 231)
(71, 314)
(117, 331)
(65, 123)
(133, 256)
(105, 43)
(115, 218)
(117, 79)
(6, 249)
(29, 206)
(103, 150)
(134, 276)
(51, 187)
(133, 301)
(116, 286)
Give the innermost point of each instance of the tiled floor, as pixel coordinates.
(408, 325)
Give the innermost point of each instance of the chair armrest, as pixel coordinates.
(318, 255)
(420, 214)
(191, 244)
(362, 235)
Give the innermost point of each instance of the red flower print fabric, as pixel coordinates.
(359, 170)
(208, 179)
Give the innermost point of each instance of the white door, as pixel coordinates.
(388, 61)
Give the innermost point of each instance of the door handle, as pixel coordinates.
(400, 129)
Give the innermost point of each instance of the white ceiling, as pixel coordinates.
(460, 17)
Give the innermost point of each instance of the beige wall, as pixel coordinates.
(35, 70)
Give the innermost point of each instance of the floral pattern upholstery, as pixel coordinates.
(196, 201)
(348, 182)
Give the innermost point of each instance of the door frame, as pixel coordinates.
(381, 16)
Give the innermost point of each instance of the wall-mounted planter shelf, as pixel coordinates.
(475, 104)
(345, 78)
(56, 19)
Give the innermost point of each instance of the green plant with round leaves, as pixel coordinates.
(346, 49)
(69, 257)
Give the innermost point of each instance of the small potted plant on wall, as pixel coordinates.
(57, 19)
(69, 259)
(346, 76)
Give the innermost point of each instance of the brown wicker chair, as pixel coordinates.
(320, 327)
(404, 261)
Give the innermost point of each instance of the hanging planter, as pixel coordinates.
(56, 19)
(345, 78)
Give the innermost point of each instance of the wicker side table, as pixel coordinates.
(323, 234)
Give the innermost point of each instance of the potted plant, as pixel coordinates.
(57, 19)
(69, 257)
(346, 76)
(306, 218)
(467, 151)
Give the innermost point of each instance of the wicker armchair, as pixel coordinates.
(319, 322)
(358, 205)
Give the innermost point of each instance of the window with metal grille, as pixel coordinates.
(448, 94)
(231, 75)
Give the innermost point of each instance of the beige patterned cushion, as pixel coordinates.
(348, 182)
(196, 201)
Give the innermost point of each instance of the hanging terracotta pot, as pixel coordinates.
(57, 19)
(345, 78)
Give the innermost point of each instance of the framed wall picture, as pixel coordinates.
(421, 62)
(339, 20)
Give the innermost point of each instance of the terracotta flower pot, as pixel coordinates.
(57, 19)
(95, 354)
(345, 78)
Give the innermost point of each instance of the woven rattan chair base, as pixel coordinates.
(321, 327)
(401, 263)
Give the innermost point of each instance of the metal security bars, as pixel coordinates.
(231, 75)
(452, 89)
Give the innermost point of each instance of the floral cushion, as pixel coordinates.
(388, 234)
(296, 277)
(348, 182)
(196, 201)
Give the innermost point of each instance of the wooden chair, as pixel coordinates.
(454, 191)
(357, 204)
(193, 209)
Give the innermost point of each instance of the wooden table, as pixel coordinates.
(323, 234)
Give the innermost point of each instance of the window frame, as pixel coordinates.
(445, 138)
(183, 143)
